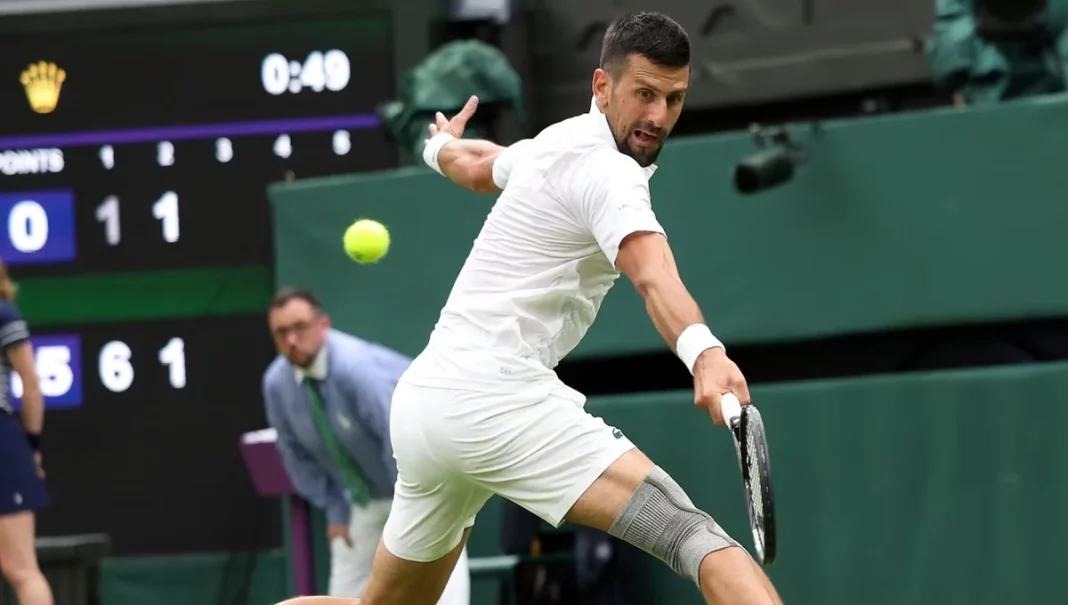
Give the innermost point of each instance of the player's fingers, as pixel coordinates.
(714, 400)
(717, 415)
(443, 124)
(741, 391)
(468, 111)
(433, 128)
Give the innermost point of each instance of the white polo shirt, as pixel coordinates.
(543, 262)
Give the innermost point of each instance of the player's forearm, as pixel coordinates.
(469, 163)
(32, 413)
(670, 306)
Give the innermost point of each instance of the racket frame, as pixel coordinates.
(745, 423)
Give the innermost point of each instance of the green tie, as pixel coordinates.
(351, 476)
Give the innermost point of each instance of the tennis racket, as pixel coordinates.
(750, 443)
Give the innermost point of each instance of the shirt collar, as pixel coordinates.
(603, 130)
(315, 370)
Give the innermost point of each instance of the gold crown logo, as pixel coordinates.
(43, 81)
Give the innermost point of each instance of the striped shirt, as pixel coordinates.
(13, 331)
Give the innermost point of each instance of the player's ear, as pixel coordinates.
(602, 84)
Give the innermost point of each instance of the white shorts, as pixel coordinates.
(456, 448)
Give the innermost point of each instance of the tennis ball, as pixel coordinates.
(366, 241)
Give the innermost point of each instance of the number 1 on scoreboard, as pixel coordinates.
(166, 210)
(108, 213)
(107, 157)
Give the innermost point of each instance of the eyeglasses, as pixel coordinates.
(299, 328)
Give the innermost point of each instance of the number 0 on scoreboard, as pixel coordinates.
(38, 227)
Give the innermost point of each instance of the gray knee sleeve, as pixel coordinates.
(661, 520)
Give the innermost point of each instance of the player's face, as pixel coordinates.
(642, 105)
(298, 331)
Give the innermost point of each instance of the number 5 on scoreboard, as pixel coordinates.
(53, 370)
(57, 360)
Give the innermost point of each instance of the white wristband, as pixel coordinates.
(693, 341)
(433, 147)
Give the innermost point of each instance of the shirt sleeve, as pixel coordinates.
(502, 166)
(309, 478)
(13, 329)
(610, 194)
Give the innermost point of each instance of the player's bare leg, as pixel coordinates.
(767, 582)
(727, 577)
(396, 581)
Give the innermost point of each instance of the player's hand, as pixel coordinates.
(37, 462)
(338, 531)
(456, 125)
(713, 375)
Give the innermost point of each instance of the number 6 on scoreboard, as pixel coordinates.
(114, 367)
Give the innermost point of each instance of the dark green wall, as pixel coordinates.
(898, 221)
(203, 579)
(940, 489)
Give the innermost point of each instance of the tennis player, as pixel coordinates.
(480, 411)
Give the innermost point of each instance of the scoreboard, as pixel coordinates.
(152, 149)
(146, 150)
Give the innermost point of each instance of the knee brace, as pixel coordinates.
(661, 520)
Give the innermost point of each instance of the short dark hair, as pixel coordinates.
(652, 35)
(285, 295)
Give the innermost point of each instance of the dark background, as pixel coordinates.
(208, 73)
(162, 468)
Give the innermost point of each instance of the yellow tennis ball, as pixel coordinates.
(366, 241)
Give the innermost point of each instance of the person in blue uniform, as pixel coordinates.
(22, 488)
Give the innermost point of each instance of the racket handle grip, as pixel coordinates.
(730, 407)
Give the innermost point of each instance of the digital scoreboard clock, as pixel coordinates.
(153, 148)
